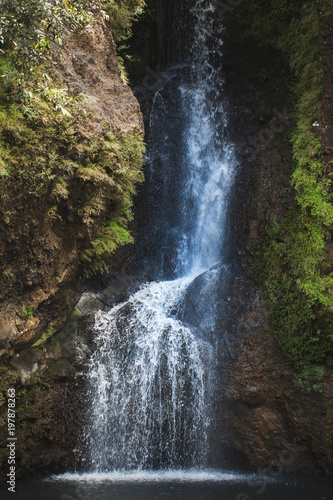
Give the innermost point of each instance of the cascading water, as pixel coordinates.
(150, 406)
(153, 372)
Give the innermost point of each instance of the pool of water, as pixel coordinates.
(172, 485)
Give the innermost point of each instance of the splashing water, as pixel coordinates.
(152, 376)
(149, 409)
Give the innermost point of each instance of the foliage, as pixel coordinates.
(294, 319)
(298, 278)
(52, 161)
(122, 13)
(108, 239)
(42, 128)
(26, 312)
(302, 276)
(29, 27)
(312, 377)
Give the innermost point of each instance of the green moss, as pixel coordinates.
(95, 190)
(8, 378)
(312, 378)
(45, 336)
(68, 326)
(26, 312)
(298, 279)
(73, 316)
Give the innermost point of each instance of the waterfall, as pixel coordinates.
(153, 373)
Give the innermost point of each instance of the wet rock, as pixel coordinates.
(26, 364)
(267, 419)
(254, 395)
(59, 369)
(88, 304)
(267, 412)
(43, 276)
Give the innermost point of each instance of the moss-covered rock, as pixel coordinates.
(294, 260)
(71, 168)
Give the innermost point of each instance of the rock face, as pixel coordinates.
(40, 286)
(50, 409)
(273, 422)
(266, 420)
(88, 64)
(269, 420)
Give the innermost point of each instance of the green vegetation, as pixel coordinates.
(45, 336)
(122, 14)
(47, 157)
(109, 238)
(26, 312)
(29, 27)
(299, 280)
(105, 176)
(312, 377)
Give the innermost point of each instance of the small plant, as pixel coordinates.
(21, 393)
(28, 28)
(311, 378)
(26, 312)
(263, 75)
(256, 269)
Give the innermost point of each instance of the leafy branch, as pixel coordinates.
(28, 28)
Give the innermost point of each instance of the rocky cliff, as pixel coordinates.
(43, 235)
(277, 418)
(66, 179)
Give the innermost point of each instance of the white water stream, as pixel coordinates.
(152, 376)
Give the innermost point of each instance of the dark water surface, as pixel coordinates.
(191, 485)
